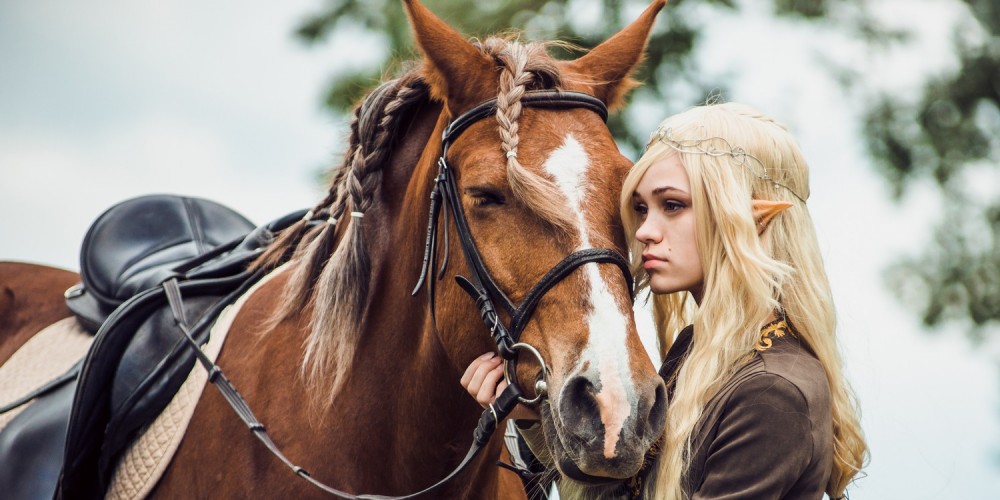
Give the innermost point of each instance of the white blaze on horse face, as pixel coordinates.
(605, 356)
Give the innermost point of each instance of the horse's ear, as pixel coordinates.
(609, 64)
(452, 65)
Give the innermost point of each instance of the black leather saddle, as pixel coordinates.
(74, 433)
(137, 244)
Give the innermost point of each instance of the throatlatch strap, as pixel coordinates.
(488, 421)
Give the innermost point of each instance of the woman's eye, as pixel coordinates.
(640, 210)
(672, 205)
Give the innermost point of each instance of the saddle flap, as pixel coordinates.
(138, 243)
(139, 357)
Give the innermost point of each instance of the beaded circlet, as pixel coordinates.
(719, 147)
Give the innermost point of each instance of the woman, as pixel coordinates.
(759, 407)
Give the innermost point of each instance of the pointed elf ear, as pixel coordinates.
(765, 210)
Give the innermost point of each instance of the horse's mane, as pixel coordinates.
(334, 281)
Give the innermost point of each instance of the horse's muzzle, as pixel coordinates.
(596, 440)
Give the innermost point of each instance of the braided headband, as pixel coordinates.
(719, 147)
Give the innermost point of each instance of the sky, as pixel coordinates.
(110, 99)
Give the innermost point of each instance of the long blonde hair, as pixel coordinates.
(747, 277)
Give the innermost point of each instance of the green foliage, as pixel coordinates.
(668, 59)
(957, 277)
(950, 130)
(809, 9)
(950, 136)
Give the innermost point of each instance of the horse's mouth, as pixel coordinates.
(569, 469)
(580, 460)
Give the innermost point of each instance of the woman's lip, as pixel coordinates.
(649, 262)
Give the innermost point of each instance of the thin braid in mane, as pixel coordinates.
(524, 67)
(313, 250)
(334, 281)
(289, 239)
(340, 292)
(308, 247)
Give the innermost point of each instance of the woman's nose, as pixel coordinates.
(647, 233)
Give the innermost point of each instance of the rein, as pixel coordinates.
(481, 287)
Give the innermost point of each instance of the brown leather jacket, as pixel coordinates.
(767, 434)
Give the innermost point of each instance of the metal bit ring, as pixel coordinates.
(540, 386)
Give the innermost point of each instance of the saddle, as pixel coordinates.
(137, 244)
(139, 358)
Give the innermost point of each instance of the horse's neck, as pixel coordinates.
(397, 323)
(401, 398)
(399, 344)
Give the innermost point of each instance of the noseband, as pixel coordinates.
(480, 285)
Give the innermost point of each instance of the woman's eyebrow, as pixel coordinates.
(664, 189)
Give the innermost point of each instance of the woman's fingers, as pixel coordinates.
(483, 379)
(475, 379)
(489, 389)
(479, 377)
(471, 370)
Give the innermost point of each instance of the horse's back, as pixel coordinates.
(31, 298)
(32, 301)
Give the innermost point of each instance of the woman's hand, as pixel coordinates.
(483, 379)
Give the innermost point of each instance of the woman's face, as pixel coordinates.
(662, 201)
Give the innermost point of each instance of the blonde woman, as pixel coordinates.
(722, 237)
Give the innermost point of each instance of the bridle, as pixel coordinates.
(480, 286)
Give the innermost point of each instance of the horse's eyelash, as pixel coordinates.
(480, 198)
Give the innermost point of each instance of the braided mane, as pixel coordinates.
(334, 278)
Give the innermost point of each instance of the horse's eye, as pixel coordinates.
(485, 197)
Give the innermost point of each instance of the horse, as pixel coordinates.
(30, 299)
(354, 375)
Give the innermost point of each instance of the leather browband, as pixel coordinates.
(548, 99)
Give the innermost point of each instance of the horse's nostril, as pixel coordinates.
(607, 429)
(656, 418)
(578, 406)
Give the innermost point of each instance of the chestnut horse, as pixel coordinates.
(356, 380)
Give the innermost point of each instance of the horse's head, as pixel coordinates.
(537, 184)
